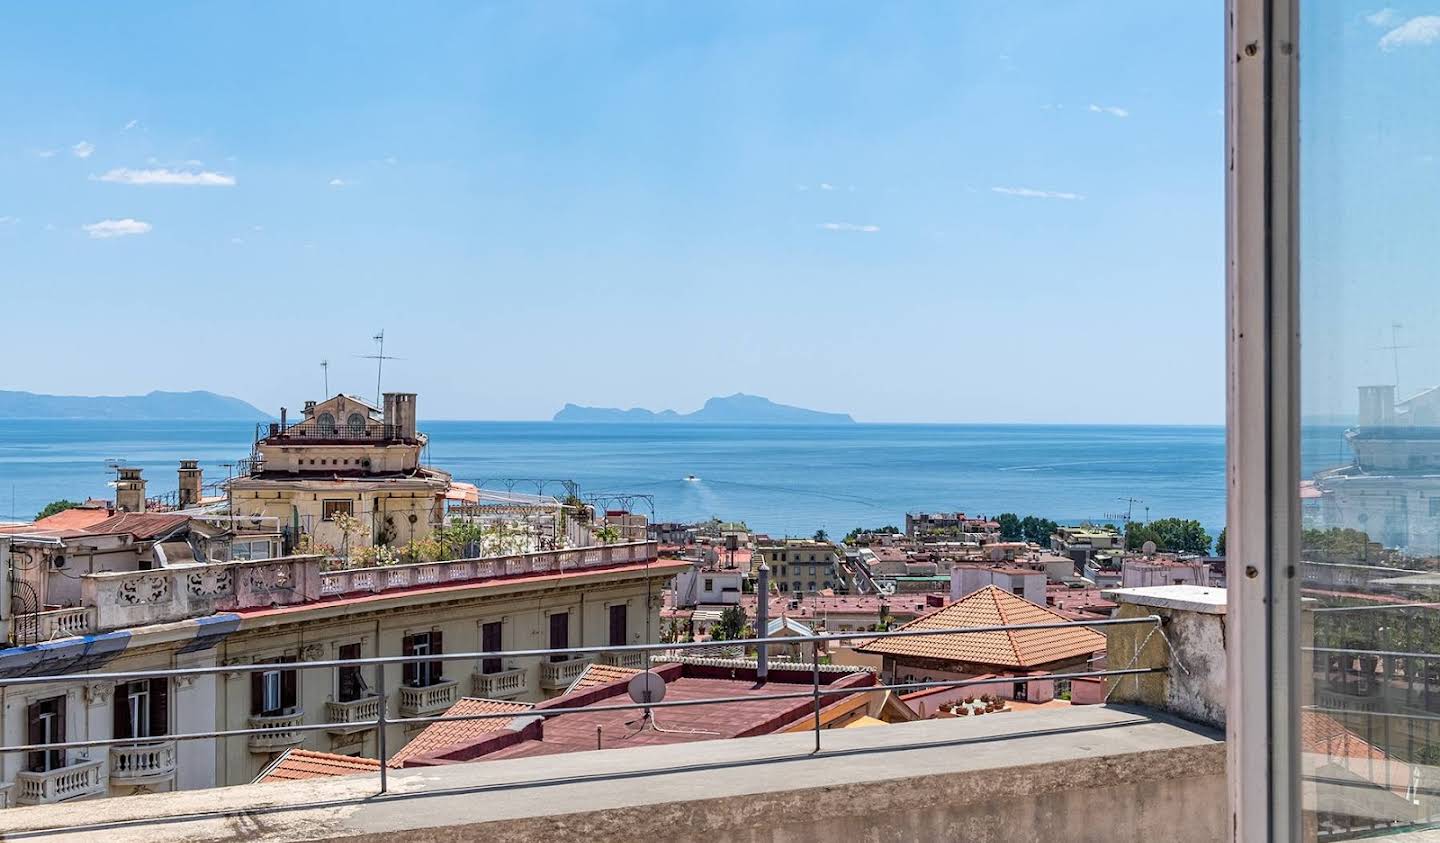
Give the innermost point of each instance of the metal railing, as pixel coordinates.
(293, 726)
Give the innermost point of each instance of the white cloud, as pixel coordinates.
(47, 153)
(849, 226)
(83, 149)
(1031, 193)
(339, 183)
(9, 220)
(1112, 110)
(826, 186)
(106, 229)
(1416, 32)
(132, 124)
(1384, 17)
(161, 175)
(236, 240)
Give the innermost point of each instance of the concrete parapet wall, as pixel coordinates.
(1190, 645)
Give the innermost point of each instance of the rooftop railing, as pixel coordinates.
(289, 729)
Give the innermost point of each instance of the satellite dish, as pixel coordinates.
(647, 687)
(1148, 548)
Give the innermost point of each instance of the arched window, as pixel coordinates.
(325, 422)
(356, 424)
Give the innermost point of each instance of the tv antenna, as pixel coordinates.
(379, 357)
(1395, 348)
(325, 369)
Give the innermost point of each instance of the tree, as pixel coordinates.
(1036, 530)
(822, 536)
(731, 625)
(1336, 544)
(56, 506)
(1009, 526)
(852, 536)
(1171, 535)
(1220, 542)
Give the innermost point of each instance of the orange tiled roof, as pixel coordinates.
(296, 764)
(600, 674)
(992, 606)
(438, 736)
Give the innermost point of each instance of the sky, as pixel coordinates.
(910, 212)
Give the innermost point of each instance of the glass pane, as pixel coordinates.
(1370, 440)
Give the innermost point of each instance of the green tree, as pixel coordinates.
(1336, 544)
(822, 536)
(731, 625)
(1010, 529)
(609, 534)
(1220, 542)
(1037, 530)
(56, 506)
(854, 534)
(1171, 535)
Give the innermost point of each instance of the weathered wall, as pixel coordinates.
(1190, 644)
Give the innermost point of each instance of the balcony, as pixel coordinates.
(145, 764)
(503, 685)
(556, 676)
(361, 712)
(431, 699)
(73, 781)
(276, 741)
(630, 660)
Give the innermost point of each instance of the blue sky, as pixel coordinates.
(944, 212)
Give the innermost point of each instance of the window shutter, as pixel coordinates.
(159, 707)
(37, 735)
(407, 672)
(437, 647)
(257, 693)
(288, 699)
(120, 706)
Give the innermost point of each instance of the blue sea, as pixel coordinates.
(779, 479)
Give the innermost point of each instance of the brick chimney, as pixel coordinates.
(130, 491)
(191, 479)
(400, 414)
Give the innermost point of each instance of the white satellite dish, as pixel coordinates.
(647, 687)
(1148, 548)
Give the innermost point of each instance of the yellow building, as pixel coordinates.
(345, 457)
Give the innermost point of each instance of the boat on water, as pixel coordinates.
(690, 478)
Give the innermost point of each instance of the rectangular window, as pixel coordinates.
(490, 643)
(559, 634)
(141, 708)
(47, 725)
(329, 510)
(350, 683)
(618, 624)
(423, 672)
(273, 692)
(709, 584)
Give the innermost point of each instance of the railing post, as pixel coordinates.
(380, 727)
(815, 687)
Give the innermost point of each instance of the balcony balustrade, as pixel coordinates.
(73, 781)
(143, 764)
(501, 685)
(360, 712)
(630, 660)
(558, 675)
(430, 699)
(278, 740)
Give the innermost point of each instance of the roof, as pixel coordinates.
(992, 606)
(296, 764)
(788, 624)
(142, 525)
(78, 518)
(601, 674)
(445, 734)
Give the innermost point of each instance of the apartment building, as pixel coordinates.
(802, 565)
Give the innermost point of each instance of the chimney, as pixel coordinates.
(400, 414)
(309, 409)
(1377, 406)
(130, 491)
(191, 479)
(283, 414)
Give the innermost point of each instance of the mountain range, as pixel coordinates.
(731, 409)
(156, 405)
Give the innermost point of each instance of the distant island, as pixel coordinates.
(156, 406)
(731, 409)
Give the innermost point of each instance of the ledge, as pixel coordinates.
(1183, 598)
(1067, 773)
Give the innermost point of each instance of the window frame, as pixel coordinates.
(327, 514)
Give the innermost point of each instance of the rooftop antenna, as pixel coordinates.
(325, 369)
(379, 357)
(1395, 348)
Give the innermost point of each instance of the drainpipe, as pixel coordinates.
(762, 622)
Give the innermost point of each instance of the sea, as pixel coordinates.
(778, 479)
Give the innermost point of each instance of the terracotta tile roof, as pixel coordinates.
(296, 764)
(438, 736)
(138, 524)
(79, 518)
(600, 674)
(992, 606)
